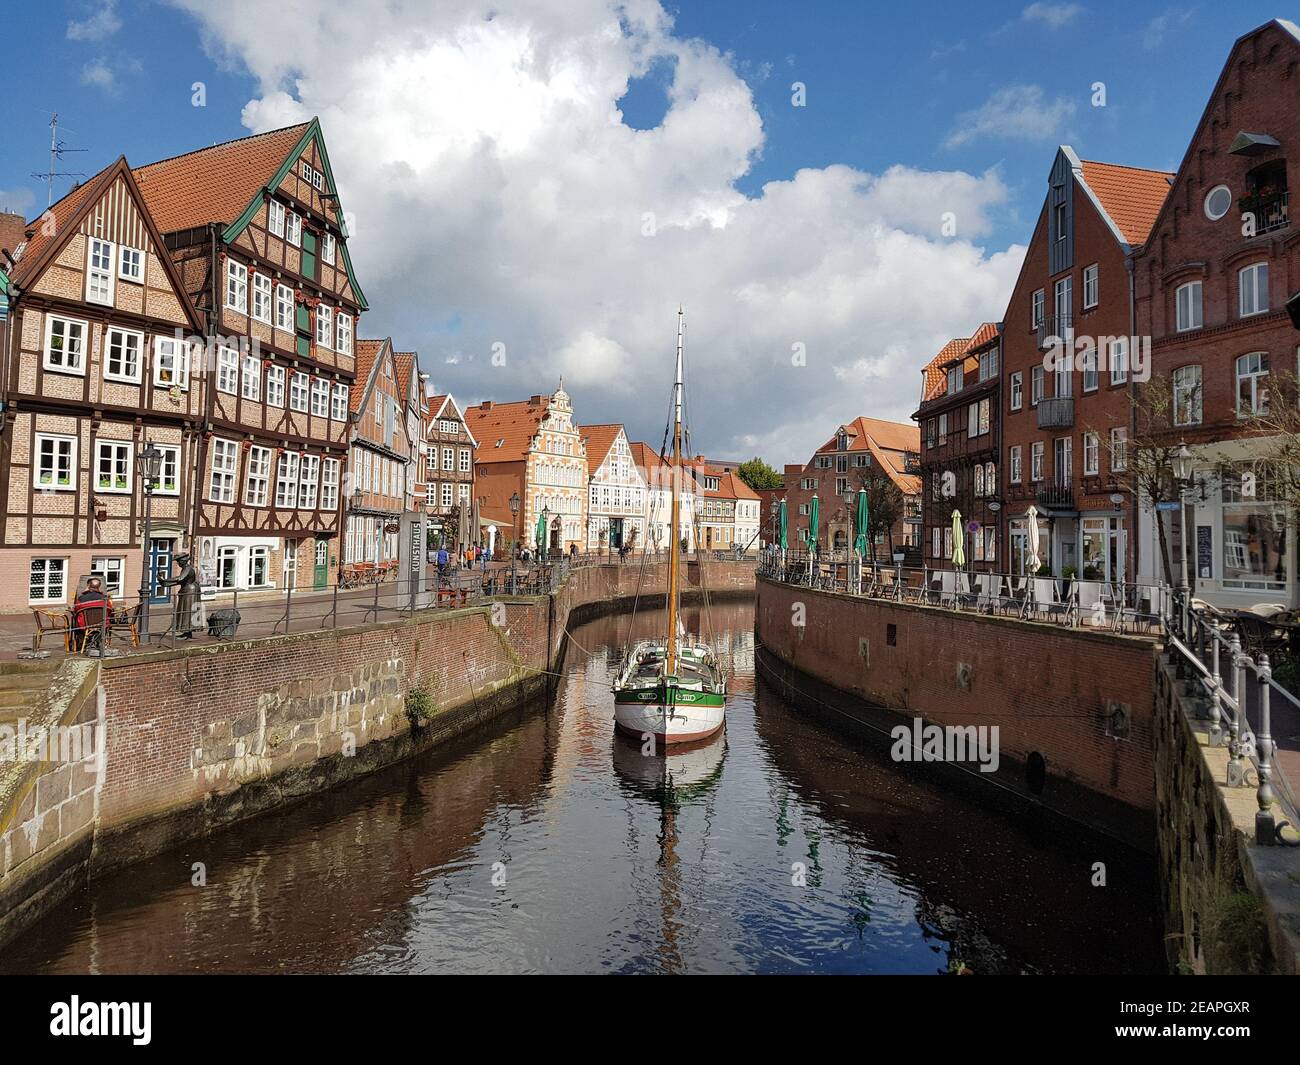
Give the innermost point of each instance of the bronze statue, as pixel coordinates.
(188, 605)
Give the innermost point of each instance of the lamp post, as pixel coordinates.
(150, 466)
(514, 536)
(1182, 463)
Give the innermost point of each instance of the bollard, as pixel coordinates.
(1265, 825)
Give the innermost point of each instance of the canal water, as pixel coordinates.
(548, 843)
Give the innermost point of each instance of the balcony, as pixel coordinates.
(1055, 328)
(1056, 413)
(1056, 496)
(1269, 209)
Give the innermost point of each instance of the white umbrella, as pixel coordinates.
(1034, 561)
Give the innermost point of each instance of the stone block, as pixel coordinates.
(243, 726)
(52, 788)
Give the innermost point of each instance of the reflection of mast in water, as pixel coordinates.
(688, 776)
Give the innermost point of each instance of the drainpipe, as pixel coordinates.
(1133, 539)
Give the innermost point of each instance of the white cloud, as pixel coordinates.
(1054, 16)
(101, 22)
(494, 184)
(1160, 26)
(1016, 112)
(17, 201)
(100, 75)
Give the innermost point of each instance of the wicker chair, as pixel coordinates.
(48, 622)
(127, 621)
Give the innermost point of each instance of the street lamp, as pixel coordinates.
(1182, 463)
(150, 461)
(514, 534)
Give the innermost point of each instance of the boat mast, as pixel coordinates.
(674, 560)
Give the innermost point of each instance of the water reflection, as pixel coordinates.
(547, 843)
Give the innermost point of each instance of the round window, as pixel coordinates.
(1217, 202)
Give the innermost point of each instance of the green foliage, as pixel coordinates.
(1286, 671)
(419, 706)
(758, 474)
(1236, 939)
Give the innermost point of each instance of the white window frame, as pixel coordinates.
(320, 397)
(275, 386)
(343, 344)
(1191, 381)
(329, 484)
(1037, 307)
(284, 308)
(293, 228)
(169, 468)
(339, 401)
(111, 571)
(308, 481)
(299, 386)
(236, 286)
(262, 296)
(172, 354)
(1119, 449)
(1252, 280)
(250, 379)
(227, 370)
(1256, 377)
(1091, 454)
(325, 326)
(104, 275)
(275, 217)
(223, 470)
(256, 553)
(39, 476)
(1037, 451)
(123, 334)
(286, 480)
(1091, 286)
(327, 249)
(117, 450)
(66, 366)
(1017, 390)
(1117, 357)
(130, 264)
(1015, 461)
(61, 568)
(257, 481)
(1037, 385)
(1195, 316)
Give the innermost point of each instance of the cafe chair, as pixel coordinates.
(48, 622)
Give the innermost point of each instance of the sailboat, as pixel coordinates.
(673, 688)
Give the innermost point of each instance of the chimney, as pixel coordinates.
(13, 231)
(485, 405)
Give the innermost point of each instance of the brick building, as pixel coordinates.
(96, 362)
(860, 450)
(1067, 345)
(255, 227)
(532, 449)
(960, 420)
(446, 483)
(381, 456)
(1210, 288)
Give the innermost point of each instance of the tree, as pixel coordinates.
(885, 506)
(758, 474)
(1278, 424)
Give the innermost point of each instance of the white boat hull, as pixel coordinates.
(678, 724)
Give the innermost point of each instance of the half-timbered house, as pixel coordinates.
(256, 229)
(446, 479)
(96, 366)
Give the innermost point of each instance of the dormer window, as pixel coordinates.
(842, 441)
(954, 379)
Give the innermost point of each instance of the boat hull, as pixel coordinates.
(671, 716)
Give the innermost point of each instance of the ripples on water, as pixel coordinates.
(549, 844)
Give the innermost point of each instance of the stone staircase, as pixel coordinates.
(23, 688)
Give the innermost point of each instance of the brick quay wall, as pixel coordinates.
(1073, 707)
(198, 738)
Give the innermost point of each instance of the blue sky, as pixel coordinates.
(885, 84)
(516, 216)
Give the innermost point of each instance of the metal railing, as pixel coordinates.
(1237, 697)
(1115, 606)
(1056, 412)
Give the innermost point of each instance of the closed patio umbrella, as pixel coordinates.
(860, 524)
(1034, 561)
(783, 538)
(540, 535)
(814, 515)
(958, 541)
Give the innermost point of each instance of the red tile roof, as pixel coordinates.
(890, 436)
(933, 378)
(1131, 195)
(214, 184)
(404, 363)
(366, 352)
(44, 234)
(986, 332)
(505, 430)
(599, 439)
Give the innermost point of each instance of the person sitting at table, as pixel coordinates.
(93, 596)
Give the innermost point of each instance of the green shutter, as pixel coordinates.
(309, 254)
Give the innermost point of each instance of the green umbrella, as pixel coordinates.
(782, 537)
(814, 513)
(541, 532)
(861, 525)
(958, 541)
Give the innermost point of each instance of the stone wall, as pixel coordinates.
(1229, 905)
(201, 737)
(1079, 700)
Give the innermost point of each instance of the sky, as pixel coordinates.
(830, 190)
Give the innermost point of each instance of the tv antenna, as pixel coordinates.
(57, 151)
